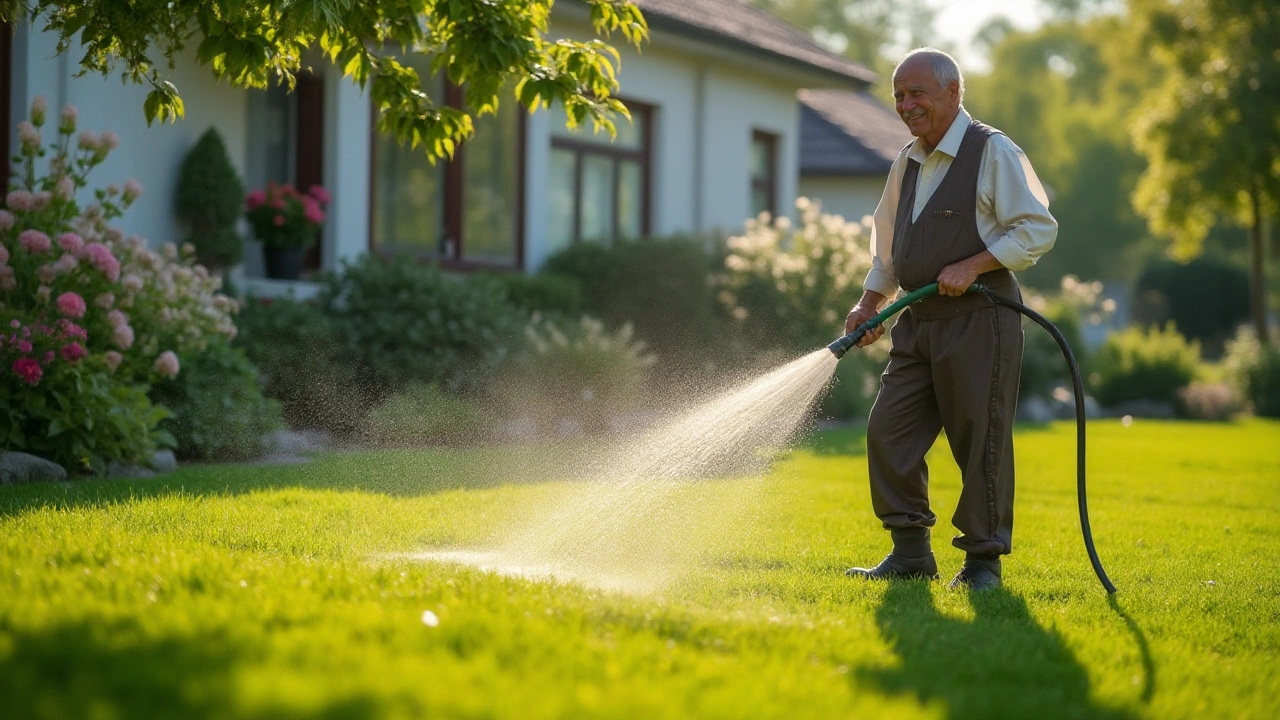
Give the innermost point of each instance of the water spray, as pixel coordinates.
(841, 346)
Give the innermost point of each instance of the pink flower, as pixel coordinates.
(27, 369)
(73, 352)
(28, 135)
(71, 305)
(105, 300)
(117, 319)
(277, 202)
(167, 364)
(71, 330)
(278, 220)
(318, 192)
(69, 117)
(70, 242)
(122, 337)
(48, 357)
(66, 264)
(15, 323)
(102, 259)
(40, 199)
(38, 109)
(66, 188)
(6, 220)
(132, 189)
(112, 359)
(24, 346)
(311, 211)
(254, 200)
(8, 280)
(88, 140)
(46, 273)
(34, 241)
(20, 200)
(112, 141)
(43, 292)
(132, 282)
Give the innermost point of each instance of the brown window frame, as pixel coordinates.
(768, 183)
(453, 199)
(644, 155)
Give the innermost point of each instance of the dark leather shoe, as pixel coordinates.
(974, 577)
(894, 567)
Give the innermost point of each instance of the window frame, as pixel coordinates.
(616, 154)
(454, 190)
(768, 183)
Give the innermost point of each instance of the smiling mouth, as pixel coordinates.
(911, 118)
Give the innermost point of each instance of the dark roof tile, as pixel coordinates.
(848, 133)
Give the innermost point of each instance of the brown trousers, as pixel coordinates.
(960, 374)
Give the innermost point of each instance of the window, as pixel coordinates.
(598, 190)
(764, 173)
(463, 212)
(291, 137)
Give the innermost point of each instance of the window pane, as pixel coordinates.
(562, 190)
(490, 168)
(408, 192)
(630, 199)
(761, 157)
(597, 198)
(760, 201)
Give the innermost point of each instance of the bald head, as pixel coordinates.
(927, 89)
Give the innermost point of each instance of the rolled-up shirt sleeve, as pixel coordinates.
(882, 278)
(1012, 193)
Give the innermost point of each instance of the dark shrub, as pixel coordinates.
(422, 414)
(299, 355)
(1145, 365)
(403, 322)
(219, 412)
(1205, 298)
(544, 293)
(209, 198)
(659, 286)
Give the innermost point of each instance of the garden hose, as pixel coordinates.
(841, 346)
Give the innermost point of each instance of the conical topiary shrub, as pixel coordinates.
(209, 199)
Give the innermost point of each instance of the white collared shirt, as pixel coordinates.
(1013, 210)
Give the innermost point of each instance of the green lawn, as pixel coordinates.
(243, 592)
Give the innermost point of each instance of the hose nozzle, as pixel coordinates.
(842, 345)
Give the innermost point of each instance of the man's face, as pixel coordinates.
(925, 105)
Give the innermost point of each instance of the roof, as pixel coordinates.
(848, 133)
(747, 27)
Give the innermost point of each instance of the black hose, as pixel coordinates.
(1078, 386)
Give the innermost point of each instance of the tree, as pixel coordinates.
(483, 45)
(208, 198)
(1211, 133)
(858, 29)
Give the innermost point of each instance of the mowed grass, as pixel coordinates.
(245, 592)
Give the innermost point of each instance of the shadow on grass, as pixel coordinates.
(397, 473)
(1144, 650)
(1000, 664)
(86, 670)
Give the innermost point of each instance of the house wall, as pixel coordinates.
(849, 196)
(150, 155)
(706, 110)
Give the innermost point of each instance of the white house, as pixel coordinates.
(715, 139)
(848, 141)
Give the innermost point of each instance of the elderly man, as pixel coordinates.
(961, 205)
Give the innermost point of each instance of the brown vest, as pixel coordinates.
(946, 232)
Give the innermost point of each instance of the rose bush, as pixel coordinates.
(94, 317)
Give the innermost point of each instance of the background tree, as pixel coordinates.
(858, 29)
(249, 43)
(1211, 131)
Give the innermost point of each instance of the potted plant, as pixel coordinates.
(286, 222)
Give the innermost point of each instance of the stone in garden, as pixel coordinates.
(18, 468)
(1034, 409)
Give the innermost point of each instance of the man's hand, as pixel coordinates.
(867, 308)
(956, 278)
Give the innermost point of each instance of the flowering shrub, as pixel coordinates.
(1254, 370)
(1142, 364)
(1076, 305)
(106, 314)
(282, 217)
(792, 286)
